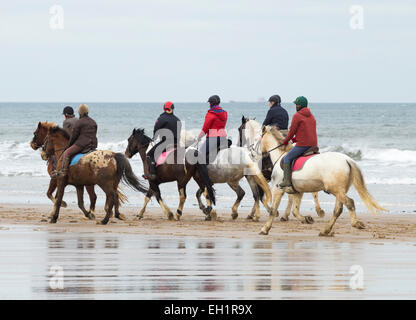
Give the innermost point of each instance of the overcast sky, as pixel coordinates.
(187, 50)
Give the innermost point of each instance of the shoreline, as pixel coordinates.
(385, 227)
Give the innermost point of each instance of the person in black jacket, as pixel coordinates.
(276, 116)
(168, 129)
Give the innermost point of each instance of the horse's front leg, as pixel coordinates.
(80, 196)
(200, 204)
(146, 201)
(288, 210)
(61, 184)
(164, 207)
(318, 209)
(182, 199)
(240, 195)
(277, 197)
(51, 189)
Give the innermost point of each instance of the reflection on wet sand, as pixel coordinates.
(103, 266)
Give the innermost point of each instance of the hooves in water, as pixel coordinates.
(309, 220)
(234, 216)
(359, 225)
(321, 213)
(323, 234)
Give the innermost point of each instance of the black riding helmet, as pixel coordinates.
(275, 98)
(68, 111)
(214, 100)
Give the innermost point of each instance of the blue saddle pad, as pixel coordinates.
(76, 158)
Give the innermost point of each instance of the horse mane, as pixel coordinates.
(142, 137)
(47, 125)
(56, 129)
(279, 137)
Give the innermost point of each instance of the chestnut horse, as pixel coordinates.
(102, 167)
(170, 171)
(38, 141)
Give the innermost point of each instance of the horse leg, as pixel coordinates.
(164, 207)
(318, 209)
(93, 197)
(296, 207)
(349, 203)
(51, 189)
(109, 203)
(240, 194)
(146, 201)
(182, 199)
(285, 217)
(61, 184)
(277, 197)
(255, 211)
(337, 212)
(80, 196)
(212, 213)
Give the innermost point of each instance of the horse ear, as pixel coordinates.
(39, 125)
(243, 120)
(134, 131)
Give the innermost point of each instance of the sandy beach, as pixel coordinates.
(384, 227)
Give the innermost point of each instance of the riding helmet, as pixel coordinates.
(214, 100)
(168, 106)
(68, 111)
(275, 98)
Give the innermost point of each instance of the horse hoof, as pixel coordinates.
(121, 217)
(321, 213)
(256, 219)
(63, 204)
(323, 234)
(249, 217)
(177, 217)
(309, 220)
(263, 232)
(234, 216)
(102, 222)
(52, 221)
(359, 225)
(170, 216)
(91, 216)
(179, 212)
(284, 219)
(208, 218)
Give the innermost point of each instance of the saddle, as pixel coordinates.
(162, 158)
(75, 159)
(298, 163)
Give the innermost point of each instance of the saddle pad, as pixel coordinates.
(163, 156)
(300, 162)
(77, 157)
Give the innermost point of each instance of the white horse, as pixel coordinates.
(250, 135)
(230, 166)
(333, 172)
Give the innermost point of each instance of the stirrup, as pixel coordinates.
(289, 190)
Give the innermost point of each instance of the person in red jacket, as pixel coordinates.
(303, 132)
(214, 128)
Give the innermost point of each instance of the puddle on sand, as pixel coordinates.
(35, 264)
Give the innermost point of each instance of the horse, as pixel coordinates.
(250, 134)
(333, 172)
(180, 171)
(230, 166)
(102, 167)
(38, 141)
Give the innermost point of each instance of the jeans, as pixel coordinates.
(296, 152)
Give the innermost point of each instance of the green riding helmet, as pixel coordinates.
(301, 101)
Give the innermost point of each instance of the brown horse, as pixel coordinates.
(38, 141)
(169, 171)
(104, 168)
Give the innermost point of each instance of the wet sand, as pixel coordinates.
(195, 259)
(391, 227)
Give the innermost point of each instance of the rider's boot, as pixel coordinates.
(65, 166)
(287, 176)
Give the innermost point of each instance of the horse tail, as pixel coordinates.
(125, 173)
(122, 198)
(264, 187)
(359, 185)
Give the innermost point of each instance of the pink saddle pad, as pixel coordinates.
(300, 162)
(163, 156)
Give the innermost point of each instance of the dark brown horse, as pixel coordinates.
(102, 168)
(175, 168)
(38, 141)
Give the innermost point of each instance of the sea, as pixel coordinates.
(379, 136)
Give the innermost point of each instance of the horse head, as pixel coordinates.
(56, 140)
(39, 135)
(137, 141)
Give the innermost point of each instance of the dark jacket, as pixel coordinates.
(277, 116)
(84, 134)
(69, 124)
(303, 128)
(168, 121)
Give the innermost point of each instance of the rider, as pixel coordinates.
(214, 128)
(277, 116)
(70, 119)
(83, 137)
(166, 121)
(303, 132)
